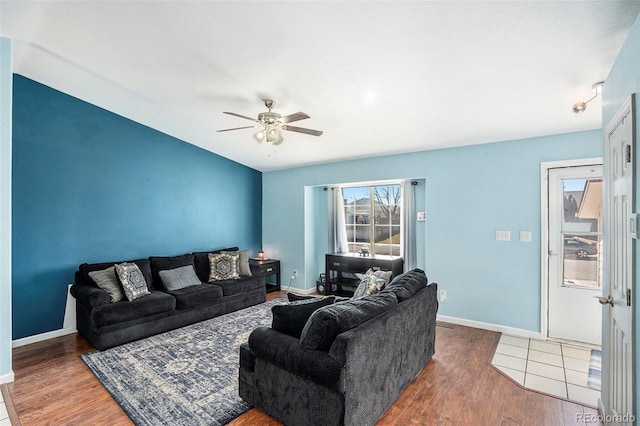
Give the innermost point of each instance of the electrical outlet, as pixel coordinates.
(443, 295)
(503, 236)
(294, 275)
(525, 236)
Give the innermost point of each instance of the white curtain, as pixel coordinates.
(408, 225)
(337, 229)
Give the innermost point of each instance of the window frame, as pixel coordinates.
(371, 222)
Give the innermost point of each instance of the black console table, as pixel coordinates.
(268, 271)
(341, 269)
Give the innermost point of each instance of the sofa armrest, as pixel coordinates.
(90, 296)
(285, 351)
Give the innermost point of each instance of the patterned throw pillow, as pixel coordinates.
(243, 262)
(132, 280)
(107, 280)
(385, 275)
(223, 266)
(370, 284)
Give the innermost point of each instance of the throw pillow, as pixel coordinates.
(370, 284)
(175, 279)
(243, 262)
(291, 318)
(385, 275)
(223, 266)
(132, 280)
(295, 297)
(107, 280)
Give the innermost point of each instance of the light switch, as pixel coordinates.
(503, 236)
(525, 236)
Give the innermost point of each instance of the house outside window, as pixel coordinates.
(372, 218)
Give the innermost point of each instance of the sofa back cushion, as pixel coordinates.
(83, 278)
(406, 285)
(201, 262)
(161, 263)
(326, 323)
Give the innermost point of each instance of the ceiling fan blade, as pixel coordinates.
(240, 115)
(303, 130)
(294, 117)
(236, 128)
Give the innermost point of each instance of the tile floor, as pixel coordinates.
(554, 368)
(4, 415)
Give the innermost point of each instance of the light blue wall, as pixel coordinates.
(6, 85)
(622, 81)
(92, 186)
(470, 192)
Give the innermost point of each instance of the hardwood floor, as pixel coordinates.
(458, 387)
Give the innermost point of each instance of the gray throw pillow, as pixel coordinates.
(108, 281)
(132, 280)
(177, 278)
(243, 262)
(223, 266)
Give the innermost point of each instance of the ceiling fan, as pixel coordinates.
(270, 123)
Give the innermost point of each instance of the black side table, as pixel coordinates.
(268, 271)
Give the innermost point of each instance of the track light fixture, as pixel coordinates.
(579, 107)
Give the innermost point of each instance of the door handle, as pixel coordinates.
(605, 300)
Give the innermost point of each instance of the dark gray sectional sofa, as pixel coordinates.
(352, 361)
(105, 324)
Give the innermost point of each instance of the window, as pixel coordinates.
(372, 218)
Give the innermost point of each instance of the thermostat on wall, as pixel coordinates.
(422, 216)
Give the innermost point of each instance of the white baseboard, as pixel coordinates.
(491, 327)
(68, 325)
(299, 290)
(7, 378)
(41, 337)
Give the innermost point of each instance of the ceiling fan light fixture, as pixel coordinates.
(271, 124)
(274, 136)
(259, 136)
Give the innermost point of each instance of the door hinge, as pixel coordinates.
(628, 297)
(628, 153)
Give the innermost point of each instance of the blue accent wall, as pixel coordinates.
(469, 193)
(622, 81)
(92, 186)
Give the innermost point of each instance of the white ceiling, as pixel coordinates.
(377, 77)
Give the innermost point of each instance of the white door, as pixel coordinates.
(575, 249)
(617, 395)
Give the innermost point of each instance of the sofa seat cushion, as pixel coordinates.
(406, 285)
(153, 303)
(189, 297)
(326, 323)
(231, 287)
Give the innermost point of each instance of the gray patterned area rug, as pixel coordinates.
(187, 376)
